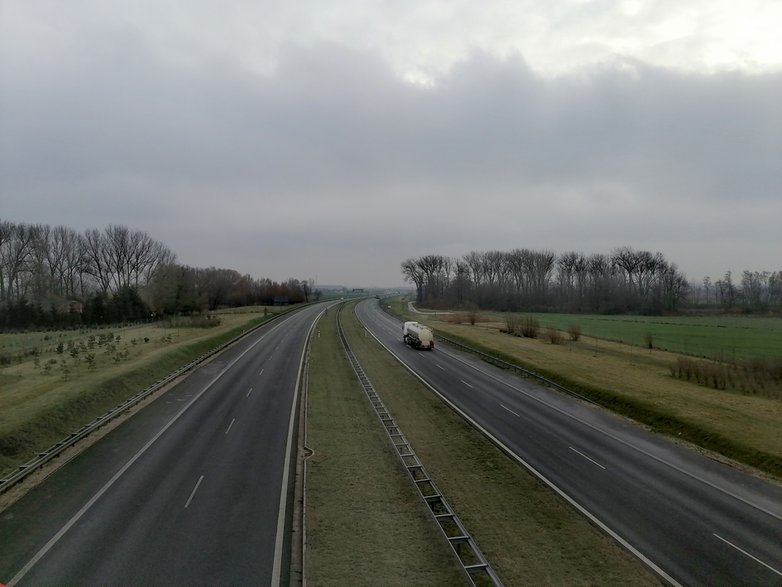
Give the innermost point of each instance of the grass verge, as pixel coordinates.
(637, 384)
(530, 535)
(38, 410)
(365, 523)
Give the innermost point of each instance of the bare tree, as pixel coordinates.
(96, 264)
(6, 234)
(413, 274)
(15, 258)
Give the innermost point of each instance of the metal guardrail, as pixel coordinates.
(473, 562)
(57, 449)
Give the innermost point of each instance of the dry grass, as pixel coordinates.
(365, 523)
(642, 377)
(46, 394)
(528, 533)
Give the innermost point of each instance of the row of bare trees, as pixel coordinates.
(757, 291)
(525, 279)
(177, 289)
(45, 264)
(55, 275)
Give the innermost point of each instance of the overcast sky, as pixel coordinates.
(332, 140)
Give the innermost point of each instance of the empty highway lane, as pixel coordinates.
(695, 521)
(191, 490)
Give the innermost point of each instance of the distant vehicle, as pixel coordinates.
(418, 336)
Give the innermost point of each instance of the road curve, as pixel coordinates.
(693, 520)
(191, 490)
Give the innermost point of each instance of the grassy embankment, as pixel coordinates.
(46, 392)
(637, 382)
(365, 525)
(361, 504)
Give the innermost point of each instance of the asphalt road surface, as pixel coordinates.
(693, 520)
(191, 490)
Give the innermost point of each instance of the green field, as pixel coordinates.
(637, 382)
(720, 337)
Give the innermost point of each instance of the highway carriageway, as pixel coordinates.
(193, 489)
(691, 519)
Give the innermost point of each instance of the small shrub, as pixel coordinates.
(649, 341)
(574, 330)
(554, 336)
(60, 348)
(512, 324)
(529, 327)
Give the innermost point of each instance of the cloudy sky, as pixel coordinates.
(332, 140)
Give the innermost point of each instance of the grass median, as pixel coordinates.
(365, 524)
(530, 535)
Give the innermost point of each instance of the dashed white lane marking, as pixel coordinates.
(509, 410)
(260, 372)
(249, 391)
(227, 430)
(744, 552)
(192, 493)
(467, 384)
(439, 366)
(593, 461)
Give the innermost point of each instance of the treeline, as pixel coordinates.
(529, 280)
(56, 276)
(626, 280)
(756, 291)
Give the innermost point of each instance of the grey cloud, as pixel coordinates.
(344, 169)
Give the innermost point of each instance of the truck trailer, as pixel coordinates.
(418, 336)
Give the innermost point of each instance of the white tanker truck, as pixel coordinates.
(418, 336)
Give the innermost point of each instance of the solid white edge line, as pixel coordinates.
(539, 475)
(280, 538)
(607, 434)
(85, 508)
(744, 552)
(192, 493)
(593, 461)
